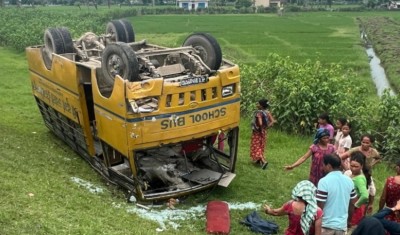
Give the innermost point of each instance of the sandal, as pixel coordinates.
(264, 166)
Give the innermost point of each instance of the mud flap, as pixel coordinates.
(226, 179)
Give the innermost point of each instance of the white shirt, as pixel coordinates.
(337, 136)
(345, 142)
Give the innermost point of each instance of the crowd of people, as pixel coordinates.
(340, 190)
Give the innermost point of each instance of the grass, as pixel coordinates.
(330, 37)
(38, 195)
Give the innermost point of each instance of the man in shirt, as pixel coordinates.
(335, 196)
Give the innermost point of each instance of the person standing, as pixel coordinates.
(372, 158)
(262, 119)
(317, 150)
(361, 176)
(366, 148)
(303, 213)
(325, 122)
(344, 144)
(391, 194)
(336, 197)
(339, 123)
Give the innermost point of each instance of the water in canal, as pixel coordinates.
(377, 71)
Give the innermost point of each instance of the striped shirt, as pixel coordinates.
(335, 190)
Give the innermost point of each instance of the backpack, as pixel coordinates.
(264, 117)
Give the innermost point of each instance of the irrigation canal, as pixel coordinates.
(377, 71)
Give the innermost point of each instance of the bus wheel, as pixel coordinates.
(67, 40)
(207, 48)
(120, 59)
(129, 33)
(57, 41)
(120, 31)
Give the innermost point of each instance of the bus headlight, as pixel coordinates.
(228, 90)
(145, 105)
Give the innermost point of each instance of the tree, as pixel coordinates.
(218, 2)
(243, 4)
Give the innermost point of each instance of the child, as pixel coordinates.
(339, 123)
(344, 144)
(262, 119)
(325, 122)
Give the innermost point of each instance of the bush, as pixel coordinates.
(388, 126)
(300, 92)
(353, 8)
(293, 8)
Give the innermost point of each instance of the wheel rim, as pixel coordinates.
(202, 52)
(49, 46)
(113, 34)
(116, 65)
(207, 48)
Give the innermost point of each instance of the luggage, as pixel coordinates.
(217, 218)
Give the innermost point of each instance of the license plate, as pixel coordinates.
(193, 81)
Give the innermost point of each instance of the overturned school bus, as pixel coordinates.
(160, 122)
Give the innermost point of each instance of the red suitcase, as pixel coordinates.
(217, 216)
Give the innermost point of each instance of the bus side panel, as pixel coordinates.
(60, 90)
(229, 76)
(63, 71)
(110, 115)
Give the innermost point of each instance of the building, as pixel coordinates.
(268, 3)
(394, 5)
(192, 4)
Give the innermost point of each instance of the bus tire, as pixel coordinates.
(129, 32)
(120, 31)
(53, 43)
(207, 47)
(67, 40)
(120, 59)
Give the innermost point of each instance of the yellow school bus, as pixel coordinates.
(160, 122)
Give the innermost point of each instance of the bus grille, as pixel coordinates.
(184, 98)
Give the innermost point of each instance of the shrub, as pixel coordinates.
(293, 8)
(300, 92)
(388, 126)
